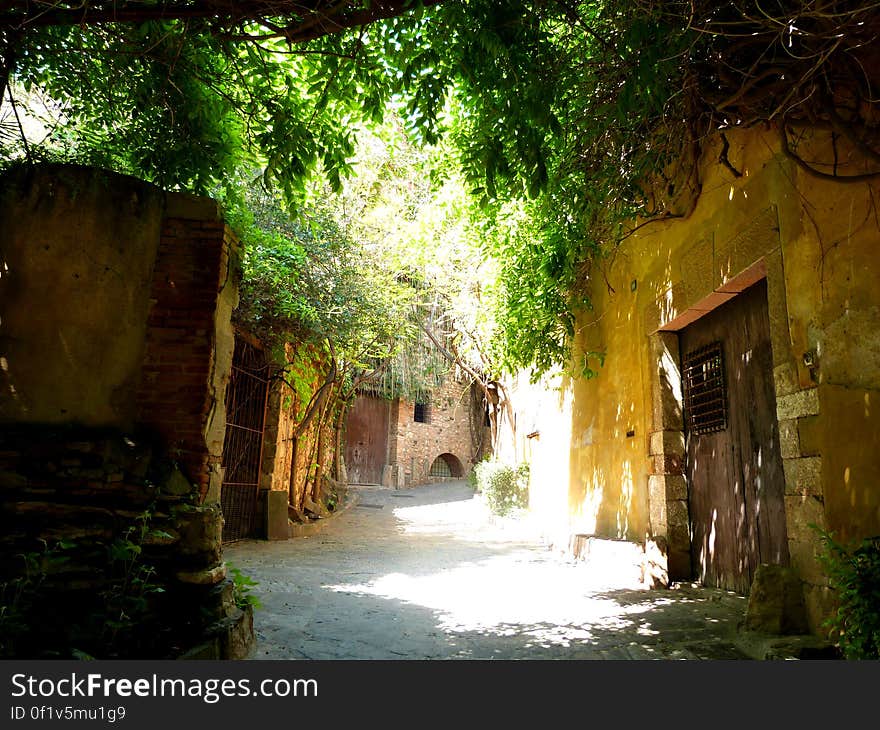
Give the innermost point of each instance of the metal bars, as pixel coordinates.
(705, 389)
(243, 443)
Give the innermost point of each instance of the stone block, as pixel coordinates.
(798, 404)
(776, 602)
(670, 464)
(657, 499)
(803, 476)
(667, 443)
(676, 488)
(785, 379)
(678, 514)
(789, 441)
(777, 311)
(800, 513)
(207, 577)
(276, 515)
(667, 487)
(804, 544)
(200, 531)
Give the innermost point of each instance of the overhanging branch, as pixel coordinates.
(295, 21)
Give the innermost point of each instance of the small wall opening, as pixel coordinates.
(422, 413)
(446, 466)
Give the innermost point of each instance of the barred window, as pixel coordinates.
(705, 391)
(422, 413)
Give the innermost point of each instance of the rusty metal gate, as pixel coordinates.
(243, 444)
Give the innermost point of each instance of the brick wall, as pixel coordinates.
(175, 397)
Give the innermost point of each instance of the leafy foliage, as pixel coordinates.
(21, 594)
(854, 573)
(568, 121)
(307, 278)
(504, 487)
(242, 585)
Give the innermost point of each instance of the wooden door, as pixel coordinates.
(366, 440)
(734, 468)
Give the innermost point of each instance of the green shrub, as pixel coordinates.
(504, 487)
(241, 588)
(854, 574)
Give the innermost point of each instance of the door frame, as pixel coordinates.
(755, 253)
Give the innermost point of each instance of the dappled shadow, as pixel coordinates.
(438, 580)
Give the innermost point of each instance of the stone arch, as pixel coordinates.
(446, 466)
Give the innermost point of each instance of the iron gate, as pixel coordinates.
(246, 397)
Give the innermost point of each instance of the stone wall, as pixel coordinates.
(455, 427)
(116, 349)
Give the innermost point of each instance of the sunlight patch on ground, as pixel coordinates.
(565, 602)
(563, 605)
(465, 519)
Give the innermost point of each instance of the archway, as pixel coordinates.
(446, 466)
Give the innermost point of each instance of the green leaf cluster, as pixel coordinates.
(504, 487)
(555, 115)
(854, 574)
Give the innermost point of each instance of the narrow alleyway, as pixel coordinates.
(426, 573)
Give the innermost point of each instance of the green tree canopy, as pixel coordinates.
(567, 119)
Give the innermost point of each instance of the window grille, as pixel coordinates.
(422, 413)
(705, 390)
(440, 468)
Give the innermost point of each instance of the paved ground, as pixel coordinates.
(427, 573)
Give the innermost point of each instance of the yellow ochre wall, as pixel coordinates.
(817, 242)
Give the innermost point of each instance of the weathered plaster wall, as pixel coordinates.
(816, 243)
(542, 439)
(77, 261)
(116, 301)
(116, 340)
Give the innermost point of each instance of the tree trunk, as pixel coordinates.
(8, 41)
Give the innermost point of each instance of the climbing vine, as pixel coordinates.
(571, 122)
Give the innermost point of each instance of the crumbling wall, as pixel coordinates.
(297, 456)
(115, 307)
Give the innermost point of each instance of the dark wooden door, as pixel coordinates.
(734, 468)
(366, 440)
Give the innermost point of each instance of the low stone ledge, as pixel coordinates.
(208, 577)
